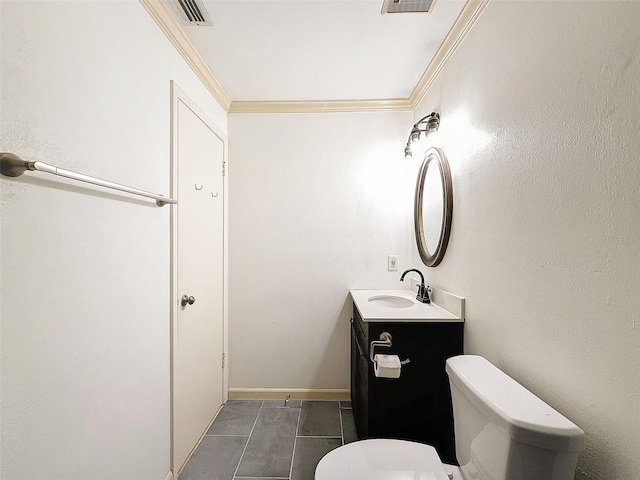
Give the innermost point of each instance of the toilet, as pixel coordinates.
(502, 431)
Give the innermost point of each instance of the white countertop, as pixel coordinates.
(372, 311)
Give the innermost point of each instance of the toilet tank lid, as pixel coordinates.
(511, 407)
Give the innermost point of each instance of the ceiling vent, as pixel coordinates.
(191, 12)
(407, 6)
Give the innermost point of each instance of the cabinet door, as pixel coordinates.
(416, 406)
(359, 385)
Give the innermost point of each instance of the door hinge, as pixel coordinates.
(223, 358)
(224, 168)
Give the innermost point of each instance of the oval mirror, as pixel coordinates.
(433, 207)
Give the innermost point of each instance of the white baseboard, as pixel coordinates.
(169, 476)
(296, 393)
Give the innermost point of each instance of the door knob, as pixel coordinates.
(187, 299)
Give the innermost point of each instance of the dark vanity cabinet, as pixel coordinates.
(416, 406)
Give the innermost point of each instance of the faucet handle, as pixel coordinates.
(423, 293)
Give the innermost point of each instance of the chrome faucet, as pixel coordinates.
(423, 291)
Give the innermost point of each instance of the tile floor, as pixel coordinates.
(264, 440)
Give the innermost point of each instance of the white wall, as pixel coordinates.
(540, 122)
(85, 272)
(316, 203)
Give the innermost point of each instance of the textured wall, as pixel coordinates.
(316, 203)
(540, 121)
(85, 272)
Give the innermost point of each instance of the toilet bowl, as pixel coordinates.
(502, 430)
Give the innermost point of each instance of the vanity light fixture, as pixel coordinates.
(428, 124)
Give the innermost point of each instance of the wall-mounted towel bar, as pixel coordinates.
(13, 166)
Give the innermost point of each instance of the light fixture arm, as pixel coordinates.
(430, 123)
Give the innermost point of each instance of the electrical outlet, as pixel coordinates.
(392, 263)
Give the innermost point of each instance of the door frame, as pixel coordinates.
(178, 95)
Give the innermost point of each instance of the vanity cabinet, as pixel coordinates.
(416, 406)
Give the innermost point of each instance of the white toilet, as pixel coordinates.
(503, 432)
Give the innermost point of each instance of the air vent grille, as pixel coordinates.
(191, 12)
(407, 6)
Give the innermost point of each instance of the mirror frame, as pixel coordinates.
(436, 157)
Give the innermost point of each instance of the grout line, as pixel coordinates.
(318, 436)
(295, 440)
(341, 427)
(248, 440)
(280, 408)
(226, 435)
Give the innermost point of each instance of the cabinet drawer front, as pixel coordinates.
(358, 340)
(362, 330)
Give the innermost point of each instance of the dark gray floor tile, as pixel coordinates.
(261, 478)
(216, 458)
(319, 419)
(270, 447)
(349, 433)
(236, 418)
(308, 453)
(280, 404)
(345, 403)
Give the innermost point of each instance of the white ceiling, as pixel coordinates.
(319, 49)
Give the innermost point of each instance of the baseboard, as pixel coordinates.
(296, 393)
(169, 476)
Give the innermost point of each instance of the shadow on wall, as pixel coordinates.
(333, 355)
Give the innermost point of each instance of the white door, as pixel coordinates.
(198, 293)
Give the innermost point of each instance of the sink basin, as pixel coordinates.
(391, 301)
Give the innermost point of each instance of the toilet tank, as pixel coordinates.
(503, 431)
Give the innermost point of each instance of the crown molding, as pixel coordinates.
(466, 19)
(322, 106)
(174, 32)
